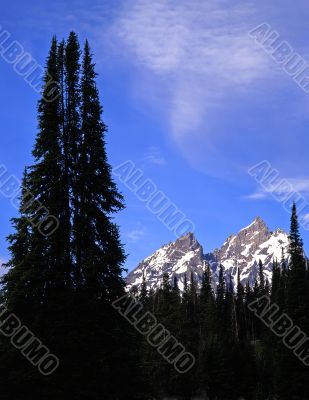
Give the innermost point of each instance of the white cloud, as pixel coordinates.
(256, 196)
(154, 156)
(198, 48)
(282, 187)
(135, 235)
(169, 36)
(305, 218)
(300, 185)
(197, 67)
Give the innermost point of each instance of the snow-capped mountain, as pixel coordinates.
(185, 255)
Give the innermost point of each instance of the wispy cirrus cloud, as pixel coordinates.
(212, 87)
(300, 185)
(201, 60)
(197, 63)
(202, 48)
(294, 185)
(154, 155)
(256, 196)
(169, 36)
(135, 235)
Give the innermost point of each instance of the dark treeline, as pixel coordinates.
(237, 355)
(61, 286)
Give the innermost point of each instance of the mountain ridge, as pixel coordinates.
(239, 251)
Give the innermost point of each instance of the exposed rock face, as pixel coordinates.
(243, 251)
(179, 257)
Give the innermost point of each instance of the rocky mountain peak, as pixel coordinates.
(246, 241)
(241, 251)
(175, 258)
(187, 242)
(258, 224)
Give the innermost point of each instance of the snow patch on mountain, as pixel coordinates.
(185, 256)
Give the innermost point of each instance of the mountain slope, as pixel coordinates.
(244, 250)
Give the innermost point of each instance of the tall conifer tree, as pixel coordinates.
(61, 285)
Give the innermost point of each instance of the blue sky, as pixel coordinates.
(188, 96)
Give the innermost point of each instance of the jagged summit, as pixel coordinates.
(185, 255)
(245, 243)
(179, 257)
(253, 243)
(186, 241)
(258, 224)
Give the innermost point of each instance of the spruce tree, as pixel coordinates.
(143, 294)
(297, 289)
(221, 291)
(261, 279)
(276, 274)
(207, 331)
(62, 284)
(206, 288)
(240, 309)
(33, 253)
(288, 367)
(99, 254)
